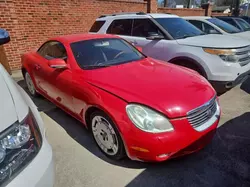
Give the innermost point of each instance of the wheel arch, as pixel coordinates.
(191, 61)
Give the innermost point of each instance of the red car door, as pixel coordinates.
(54, 83)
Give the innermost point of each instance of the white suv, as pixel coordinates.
(26, 158)
(223, 60)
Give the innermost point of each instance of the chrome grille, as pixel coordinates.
(202, 114)
(243, 55)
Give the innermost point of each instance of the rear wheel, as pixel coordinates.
(106, 135)
(30, 85)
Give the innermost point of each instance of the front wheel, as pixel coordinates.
(30, 85)
(106, 135)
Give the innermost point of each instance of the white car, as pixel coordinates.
(211, 25)
(25, 155)
(223, 60)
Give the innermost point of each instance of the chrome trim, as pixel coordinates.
(243, 55)
(202, 106)
(205, 115)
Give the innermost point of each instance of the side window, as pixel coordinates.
(96, 26)
(197, 24)
(144, 27)
(53, 49)
(120, 27)
(209, 29)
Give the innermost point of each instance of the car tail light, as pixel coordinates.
(19, 144)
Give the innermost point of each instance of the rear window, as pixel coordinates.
(97, 26)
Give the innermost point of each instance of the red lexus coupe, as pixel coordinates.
(133, 105)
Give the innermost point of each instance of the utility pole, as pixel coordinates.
(189, 4)
(236, 9)
(165, 3)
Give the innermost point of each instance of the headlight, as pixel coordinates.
(147, 119)
(19, 144)
(227, 55)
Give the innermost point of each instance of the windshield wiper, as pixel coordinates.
(97, 66)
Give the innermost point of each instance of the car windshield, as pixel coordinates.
(97, 53)
(245, 26)
(223, 25)
(179, 28)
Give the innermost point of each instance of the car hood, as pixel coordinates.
(12, 106)
(168, 88)
(214, 41)
(245, 34)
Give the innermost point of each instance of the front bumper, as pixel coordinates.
(222, 86)
(163, 146)
(39, 173)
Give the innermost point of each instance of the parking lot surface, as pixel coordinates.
(224, 162)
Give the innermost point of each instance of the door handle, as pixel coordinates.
(37, 67)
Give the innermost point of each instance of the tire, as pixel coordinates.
(106, 135)
(30, 85)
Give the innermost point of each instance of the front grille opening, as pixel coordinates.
(201, 115)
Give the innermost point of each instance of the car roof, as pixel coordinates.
(197, 17)
(81, 37)
(155, 15)
(131, 15)
(226, 17)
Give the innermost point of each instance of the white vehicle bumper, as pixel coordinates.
(229, 72)
(39, 173)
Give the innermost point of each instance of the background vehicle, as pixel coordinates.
(216, 26)
(25, 155)
(171, 38)
(246, 18)
(237, 22)
(130, 102)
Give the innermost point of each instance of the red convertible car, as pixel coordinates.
(133, 105)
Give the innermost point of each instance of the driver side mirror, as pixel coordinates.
(4, 37)
(57, 63)
(154, 36)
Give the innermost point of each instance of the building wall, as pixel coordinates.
(31, 22)
(183, 11)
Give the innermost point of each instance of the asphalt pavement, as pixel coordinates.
(224, 162)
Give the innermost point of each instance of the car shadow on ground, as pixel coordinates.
(224, 162)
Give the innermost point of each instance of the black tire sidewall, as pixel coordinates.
(121, 151)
